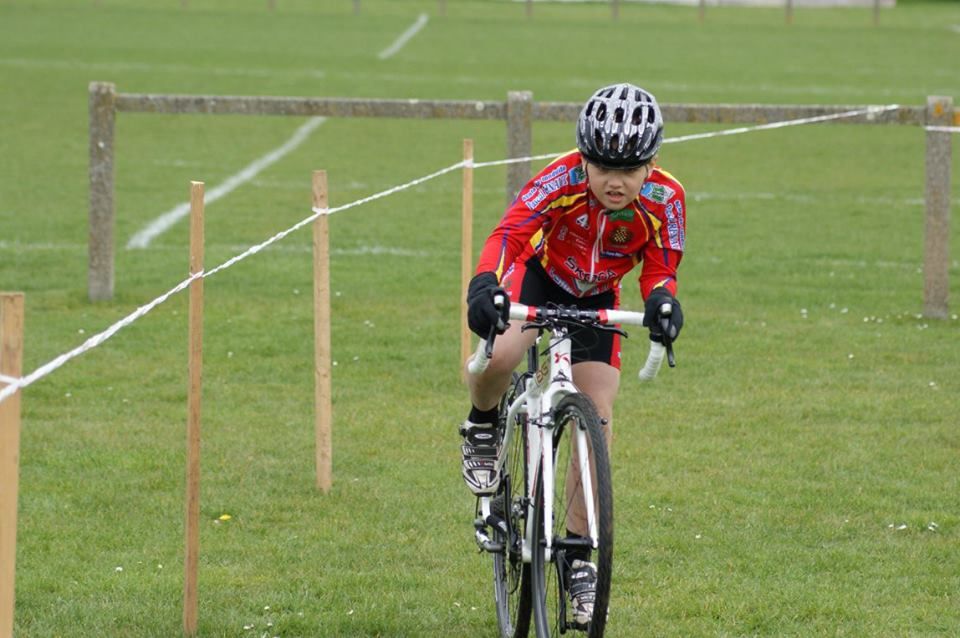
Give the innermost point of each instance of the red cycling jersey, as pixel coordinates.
(584, 248)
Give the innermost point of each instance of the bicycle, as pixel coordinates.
(524, 524)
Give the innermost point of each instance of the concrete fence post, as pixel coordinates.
(936, 248)
(102, 99)
(519, 139)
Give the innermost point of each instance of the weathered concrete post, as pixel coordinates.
(936, 248)
(102, 118)
(519, 139)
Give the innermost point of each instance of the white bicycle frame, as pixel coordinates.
(550, 384)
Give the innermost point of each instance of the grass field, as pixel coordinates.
(795, 475)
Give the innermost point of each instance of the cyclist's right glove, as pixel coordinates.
(482, 314)
(656, 319)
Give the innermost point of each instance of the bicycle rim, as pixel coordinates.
(511, 577)
(551, 605)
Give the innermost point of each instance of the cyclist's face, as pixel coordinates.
(616, 188)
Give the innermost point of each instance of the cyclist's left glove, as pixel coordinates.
(482, 314)
(662, 314)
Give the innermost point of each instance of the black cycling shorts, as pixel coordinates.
(537, 289)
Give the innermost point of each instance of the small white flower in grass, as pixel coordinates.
(81, 331)
(296, 291)
(931, 526)
(118, 569)
(337, 293)
(933, 384)
(159, 566)
(844, 311)
(350, 613)
(698, 536)
(356, 358)
(267, 608)
(456, 604)
(850, 356)
(68, 395)
(901, 527)
(248, 627)
(230, 354)
(473, 609)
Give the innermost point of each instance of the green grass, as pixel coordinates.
(795, 475)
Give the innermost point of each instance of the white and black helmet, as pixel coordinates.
(621, 126)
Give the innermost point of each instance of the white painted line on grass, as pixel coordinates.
(405, 36)
(164, 222)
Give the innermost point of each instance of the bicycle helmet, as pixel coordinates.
(621, 126)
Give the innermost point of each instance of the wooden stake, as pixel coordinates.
(466, 247)
(192, 535)
(321, 334)
(11, 360)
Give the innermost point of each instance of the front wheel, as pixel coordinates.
(576, 423)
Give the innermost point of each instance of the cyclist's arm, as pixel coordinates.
(662, 254)
(534, 207)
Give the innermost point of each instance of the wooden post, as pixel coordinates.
(876, 12)
(442, 8)
(702, 12)
(356, 7)
(194, 390)
(529, 8)
(101, 100)
(321, 334)
(789, 11)
(466, 246)
(936, 250)
(615, 9)
(11, 360)
(519, 139)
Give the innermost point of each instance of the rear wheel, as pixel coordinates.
(511, 576)
(551, 605)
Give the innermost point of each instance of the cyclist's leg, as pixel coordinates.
(487, 388)
(481, 438)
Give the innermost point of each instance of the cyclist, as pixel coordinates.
(573, 232)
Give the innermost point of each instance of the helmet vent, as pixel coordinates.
(618, 115)
(601, 112)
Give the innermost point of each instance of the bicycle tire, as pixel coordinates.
(511, 576)
(550, 604)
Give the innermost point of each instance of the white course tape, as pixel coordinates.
(943, 129)
(95, 340)
(9, 380)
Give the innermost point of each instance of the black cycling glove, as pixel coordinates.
(661, 320)
(482, 314)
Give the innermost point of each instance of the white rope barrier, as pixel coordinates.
(93, 341)
(14, 384)
(943, 129)
(870, 110)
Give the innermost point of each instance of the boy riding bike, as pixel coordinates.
(574, 231)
